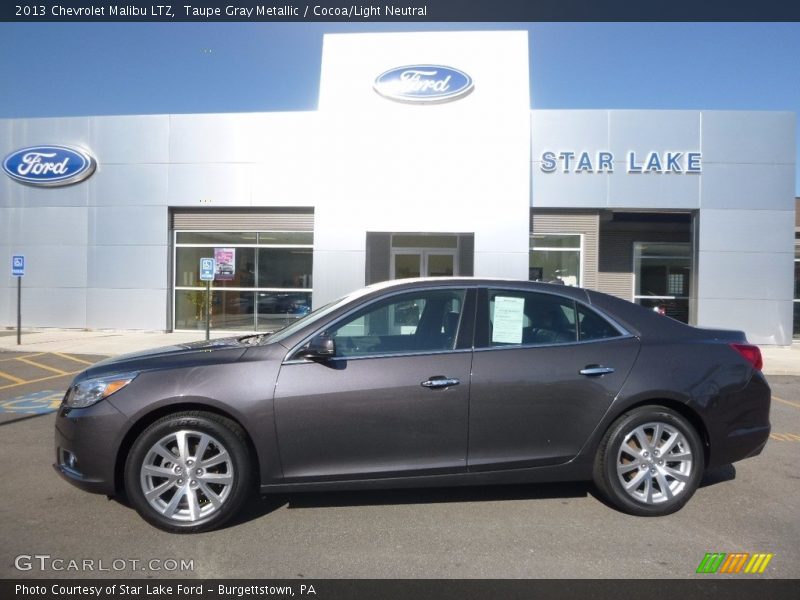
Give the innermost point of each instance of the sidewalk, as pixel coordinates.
(778, 360)
(76, 341)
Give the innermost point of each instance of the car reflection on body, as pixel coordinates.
(427, 382)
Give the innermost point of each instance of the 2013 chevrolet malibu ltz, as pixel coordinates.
(426, 382)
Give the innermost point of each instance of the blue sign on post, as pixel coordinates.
(207, 268)
(17, 265)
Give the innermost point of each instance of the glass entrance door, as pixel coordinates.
(663, 277)
(423, 262)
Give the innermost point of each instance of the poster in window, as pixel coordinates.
(507, 320)
(226, 261)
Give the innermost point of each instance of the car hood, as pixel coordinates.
(194, 354)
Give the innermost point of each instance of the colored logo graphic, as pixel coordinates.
(49, 166)
(38, 403)
(420, 84)
(735, 562)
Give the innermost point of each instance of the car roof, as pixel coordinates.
(415, 282)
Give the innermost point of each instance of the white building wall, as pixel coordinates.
(460, 167)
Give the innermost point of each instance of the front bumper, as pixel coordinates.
(86, 444)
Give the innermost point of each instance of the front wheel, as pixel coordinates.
(189, 472)
(650, 462)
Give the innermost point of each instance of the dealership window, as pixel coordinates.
(262, 281)
(556, 258)
(662, 275)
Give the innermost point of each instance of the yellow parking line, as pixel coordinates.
(35, 364)
(12, 378)
(795, 404)
(67, 356)
(26, 356)
(785, 437)
(3, 387)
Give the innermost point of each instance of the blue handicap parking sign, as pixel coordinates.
(207, 268)
(18, 265)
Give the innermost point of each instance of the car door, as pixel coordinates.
(393, 401)
(545, 370)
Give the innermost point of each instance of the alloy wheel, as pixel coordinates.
(654, 463)
(187, 475)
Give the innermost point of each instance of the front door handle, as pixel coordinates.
(439, 381)
(595, 370)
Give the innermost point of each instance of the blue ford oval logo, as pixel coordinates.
(49, 166)
(423, 84)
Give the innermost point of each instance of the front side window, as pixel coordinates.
(424, 321)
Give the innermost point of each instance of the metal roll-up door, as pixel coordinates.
(243, 220)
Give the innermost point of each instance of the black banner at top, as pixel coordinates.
(397, 10)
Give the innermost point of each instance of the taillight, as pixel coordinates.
(751, 353)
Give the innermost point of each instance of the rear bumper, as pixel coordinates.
(743, 425)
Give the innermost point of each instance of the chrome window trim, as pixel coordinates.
(296, 361)
(555, 344)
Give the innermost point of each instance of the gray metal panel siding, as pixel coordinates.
(378, 256)
(585, 222)
(246, 220)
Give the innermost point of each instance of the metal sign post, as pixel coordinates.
(18, 271)
(207, 268)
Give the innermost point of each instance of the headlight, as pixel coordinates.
(93, 390)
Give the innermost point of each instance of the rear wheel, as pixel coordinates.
(189, 472)
(650, 462)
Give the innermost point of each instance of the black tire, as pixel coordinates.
(670, 483)
(207, 497)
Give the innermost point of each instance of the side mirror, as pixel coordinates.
(321, 347)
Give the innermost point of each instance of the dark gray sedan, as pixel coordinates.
(429, 382)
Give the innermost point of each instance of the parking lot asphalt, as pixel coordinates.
(521, 531)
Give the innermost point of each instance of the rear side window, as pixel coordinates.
(592, 326)
(517, 318)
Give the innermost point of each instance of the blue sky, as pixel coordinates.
(53, 69)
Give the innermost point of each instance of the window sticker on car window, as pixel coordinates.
(507, 320)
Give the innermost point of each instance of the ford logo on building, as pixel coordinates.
(423, 84)
(49, 166)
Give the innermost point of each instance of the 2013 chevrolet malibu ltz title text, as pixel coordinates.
(426, 382)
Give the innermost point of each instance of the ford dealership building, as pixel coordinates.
(423, 158)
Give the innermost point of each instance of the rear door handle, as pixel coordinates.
(439, 381)
(595, 370)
